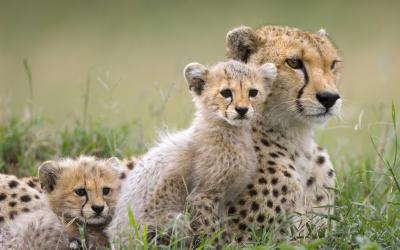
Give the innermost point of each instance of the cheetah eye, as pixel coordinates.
(253, 92)
(333, 65)
(106, 190)
(294, 63)
(227, 93)
(80, 191)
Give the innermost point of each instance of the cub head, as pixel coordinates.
(308, 65)
(230, 91)
(84, 190)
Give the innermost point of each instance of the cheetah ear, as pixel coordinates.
(195, 74)
(49, 172)
(321, 32)
(115, 164)
(269, 72)
(241, 42)
(118, 167)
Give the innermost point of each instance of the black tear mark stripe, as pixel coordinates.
(86, 200)
(226, 109)
(306, 79)
(227, 106)
(84, 204)
(301, 91)
(304, 70)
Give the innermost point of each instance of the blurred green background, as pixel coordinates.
(133, 53)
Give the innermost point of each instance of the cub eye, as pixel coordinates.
(253, 92)
(106, 190)
(80, 191)
(227, 93)
(294, 63)
(333, 65)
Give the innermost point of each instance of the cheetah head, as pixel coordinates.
(83, 190)
(308, 65)
(230, 91)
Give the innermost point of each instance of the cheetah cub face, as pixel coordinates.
(229, 91)
(83, 190)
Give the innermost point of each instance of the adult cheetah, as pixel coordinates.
(294, 174)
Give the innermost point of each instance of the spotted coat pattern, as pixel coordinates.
(289, 179)
(18, 197)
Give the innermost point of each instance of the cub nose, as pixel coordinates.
(241, 110)
(98, 209)
(327, 99)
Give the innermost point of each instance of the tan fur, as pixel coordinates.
(277, 44)
(86, 173)
(17, 197)
(294, 174)
(11, 204)
(33, 182)
(38, 230)
(205, 166)
(91, 175)
(63, 208)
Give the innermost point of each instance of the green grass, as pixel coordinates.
(26, 142)
(367, 209)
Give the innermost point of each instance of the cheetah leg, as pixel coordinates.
(163, 213)
(205, 217)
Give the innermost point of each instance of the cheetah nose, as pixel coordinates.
(241, 111)
(97, 209)
(327, 99)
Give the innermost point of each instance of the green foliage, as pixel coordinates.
(367, 209)
(25, 143)
(366, 213)
(98, 140)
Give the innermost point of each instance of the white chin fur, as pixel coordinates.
(323, 118)
(96, 220)
(317, 115)
(233, 121)
(318, 120)
(239, 122)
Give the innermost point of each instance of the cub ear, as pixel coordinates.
(269, 72)
(195, 77)
(115, 164)
(49, 172)
(241, 42)
(321, 32)
(118, 167)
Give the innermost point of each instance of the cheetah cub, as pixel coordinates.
(80, 194)
(208, 164)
